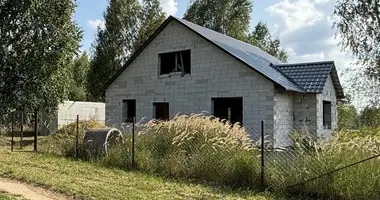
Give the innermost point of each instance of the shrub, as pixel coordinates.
(198, 147)
(357, 182)
(63, 141)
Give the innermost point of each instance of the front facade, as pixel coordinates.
(179, 71)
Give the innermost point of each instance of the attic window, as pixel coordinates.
(175, 62)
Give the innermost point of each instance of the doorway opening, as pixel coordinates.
(230, 108)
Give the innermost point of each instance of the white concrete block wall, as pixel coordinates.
(68, 111)
(328, 94)
(283, 118)
(305, 108)
(214, 73)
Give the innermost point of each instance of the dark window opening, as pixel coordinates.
(326, 114)
(230, 109)
(129, 110)
(175, 62)
(161, 111)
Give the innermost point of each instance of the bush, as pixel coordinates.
(345, 148)
(63, 141)
(198, 147)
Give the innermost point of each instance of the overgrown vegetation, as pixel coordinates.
(204, 148)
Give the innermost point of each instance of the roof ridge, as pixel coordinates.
(286, 76)
(305, 63)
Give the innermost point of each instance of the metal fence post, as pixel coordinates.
(35, 130)
(262, 155)
(12, 129)
(77, 139)
(22, 129)
(133, 143)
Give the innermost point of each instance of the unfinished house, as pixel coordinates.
(186, 68)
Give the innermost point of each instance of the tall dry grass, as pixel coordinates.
(198, 147)
(205, 148)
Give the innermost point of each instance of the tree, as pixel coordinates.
(347, 116)
(127, 25)
(261, 37)
(40, 39)
(370, 116)
(231, 17)
(358, 24)
(81, 65)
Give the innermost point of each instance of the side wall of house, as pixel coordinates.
(283, 118)
(305, 109)
(328, 94)
(214, 73)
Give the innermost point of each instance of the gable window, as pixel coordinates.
(129, 110)
(326, 114)
(175, 62)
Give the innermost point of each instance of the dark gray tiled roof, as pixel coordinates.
(312, 77)
(253, 56)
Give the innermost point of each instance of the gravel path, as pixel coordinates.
(28, 191)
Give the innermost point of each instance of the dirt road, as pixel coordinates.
(27, 191)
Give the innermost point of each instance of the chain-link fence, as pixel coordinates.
(292, 156)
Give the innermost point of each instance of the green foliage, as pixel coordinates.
(358, 27)
(38, 39)
(128, 24)
(232, 18)
(77, 91)
(63, 142)
(370, 116)
(224, 16)
(347, 117)
(261, 37)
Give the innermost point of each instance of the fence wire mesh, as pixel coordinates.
(294, 156)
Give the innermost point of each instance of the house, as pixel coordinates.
(186, 68)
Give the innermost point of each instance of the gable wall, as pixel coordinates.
(328, 94)
(214, 73)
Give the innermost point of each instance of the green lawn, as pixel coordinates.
(92, 181)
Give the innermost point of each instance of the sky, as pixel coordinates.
(304, 27)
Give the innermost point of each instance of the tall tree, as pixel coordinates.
(81, 65)
(38, 39)
(347, 116)
(358, 23)
(231, 17)
(127, 25)
(261, 37)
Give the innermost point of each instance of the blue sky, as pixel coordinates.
(304, 27)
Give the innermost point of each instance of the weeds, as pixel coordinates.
(204, 148)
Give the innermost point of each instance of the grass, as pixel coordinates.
(92, 181)
(204, 149)
(6, 196)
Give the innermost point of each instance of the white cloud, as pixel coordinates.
(169, 6)
(296, 14)
(94, 24)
